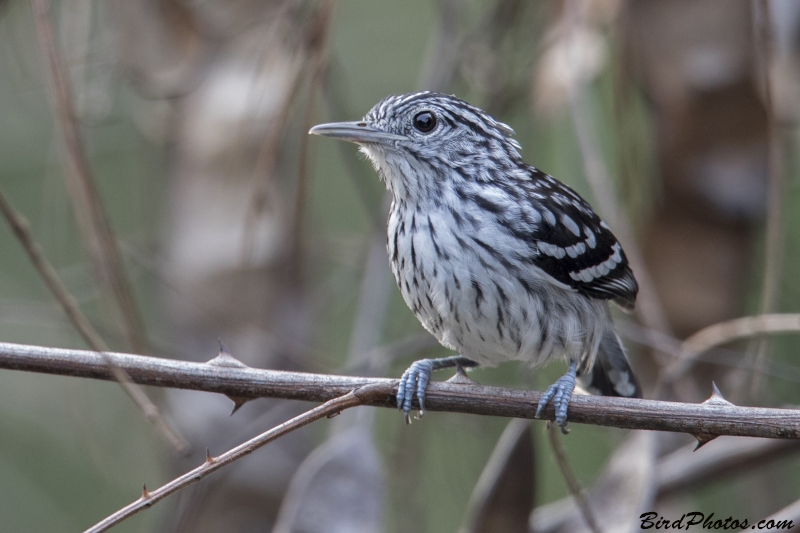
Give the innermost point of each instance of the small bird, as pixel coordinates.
(498, 260)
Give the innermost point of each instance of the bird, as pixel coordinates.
(497, 259)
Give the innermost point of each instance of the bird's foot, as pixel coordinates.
(414, 381)
(561, 393)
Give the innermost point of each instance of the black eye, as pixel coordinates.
(425, 121)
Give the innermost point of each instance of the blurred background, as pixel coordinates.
(676, 119)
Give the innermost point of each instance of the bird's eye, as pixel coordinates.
(425, 121)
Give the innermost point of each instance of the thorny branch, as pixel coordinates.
(212, 464)
(225, 375)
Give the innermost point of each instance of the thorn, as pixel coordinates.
(716, 397)
(209, 459)
(226, 359)
(703, 439)
(334, 414)
(145, 493)
(222, 348)
(238, 401)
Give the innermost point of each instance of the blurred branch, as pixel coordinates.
(773, 250)
(725, 332)
(684, 470)
(330, 409)
(318, 52)
(68, 303)
(106, 260)
(570, 479)
(712, 418)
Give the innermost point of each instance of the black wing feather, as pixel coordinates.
(577, 248)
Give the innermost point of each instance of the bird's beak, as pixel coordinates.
(355, 132)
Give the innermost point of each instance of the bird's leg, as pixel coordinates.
(415, 380)
(561, 393)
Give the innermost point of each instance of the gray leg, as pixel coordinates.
(420, 373)
(561, 393)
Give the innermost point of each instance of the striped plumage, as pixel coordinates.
(497, 259)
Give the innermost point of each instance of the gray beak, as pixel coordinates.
(355, 132)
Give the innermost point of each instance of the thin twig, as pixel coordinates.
(702, 420)
(212, 464)
(725, 332)
(81, 323)
(773, 250)
(570, 479)
(106, 260)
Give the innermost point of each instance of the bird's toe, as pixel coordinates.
(413, 382)
(561, 393)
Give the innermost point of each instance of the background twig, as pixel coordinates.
(50, 277)
(571, 480)
(774, 246)
(107, 264)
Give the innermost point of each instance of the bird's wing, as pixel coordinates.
(575, 247)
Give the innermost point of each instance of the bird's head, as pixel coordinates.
(416, 140)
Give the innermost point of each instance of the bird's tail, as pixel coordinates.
(611, 374)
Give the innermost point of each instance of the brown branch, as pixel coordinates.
(704, 420)
(212, 464)
(19, 225)
(106, 260)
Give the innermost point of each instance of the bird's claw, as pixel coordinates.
(561, 393)
(414, 381)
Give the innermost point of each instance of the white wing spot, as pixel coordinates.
(552, 250)
(571, 225)
(591, 241)
(600, 270)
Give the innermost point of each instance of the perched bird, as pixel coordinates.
(496, 258)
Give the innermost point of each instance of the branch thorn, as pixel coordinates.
(225, 359)
(145, 493)
(238, 401)
(703, 439)
(716, 397)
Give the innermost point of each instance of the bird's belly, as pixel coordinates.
(490, 317)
